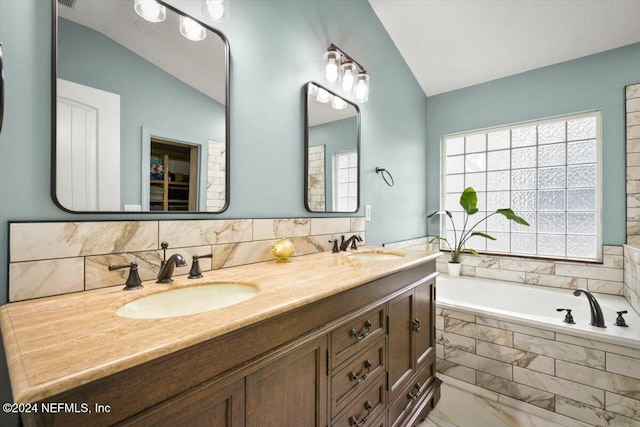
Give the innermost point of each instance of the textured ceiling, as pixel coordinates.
(451, 44)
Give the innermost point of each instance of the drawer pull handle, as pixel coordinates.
(415, 325)
(361, 335)
(359, 378)
(353, 421)
(412, 397)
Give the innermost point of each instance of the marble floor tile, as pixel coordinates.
(459, 408)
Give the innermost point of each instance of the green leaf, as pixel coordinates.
(435, 239)
(472, 251)
(509, 214)
(469, 201)
(440, 213)
(486, 236)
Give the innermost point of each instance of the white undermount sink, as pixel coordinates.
(185, 301)
(374, 256)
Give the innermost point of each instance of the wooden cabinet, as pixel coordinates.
(362, 357)
(290, 390)
(411, 348)
(217, 404)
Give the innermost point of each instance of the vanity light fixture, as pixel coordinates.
(191, 30)
(150, 10)
(216, 10)
(345, 72)
(338, 103)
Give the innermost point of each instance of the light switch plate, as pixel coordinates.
(367, 212)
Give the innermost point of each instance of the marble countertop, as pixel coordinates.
(57, 343)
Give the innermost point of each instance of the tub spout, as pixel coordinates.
(597, 319)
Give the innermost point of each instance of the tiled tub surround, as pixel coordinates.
(605, 278)
(52, 258)
(632, 94)
(632, 276)
(540, 370)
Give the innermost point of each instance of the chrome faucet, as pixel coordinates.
(597, 319)
(351, 240)
(167, 265)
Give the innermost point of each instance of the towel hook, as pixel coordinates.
(385, 173)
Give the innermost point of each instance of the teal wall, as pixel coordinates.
(276, 47)
(594, 82)
(149, 97)
(337, 137)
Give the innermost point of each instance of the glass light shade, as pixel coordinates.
(323, 96)
(361, 91)
(191, 29)
(331, 66)
(216, 10)
(150, 10)
(338, 103)
(349, 70)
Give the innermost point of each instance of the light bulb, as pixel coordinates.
(331, 62)
(361, 92)
(191, 29)
(216, 10)
(150, 10)
(348, 76)
(338, 103)
(323, 96)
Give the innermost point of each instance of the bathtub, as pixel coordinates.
(535, 306)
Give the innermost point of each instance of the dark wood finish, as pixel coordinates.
(424, 299)
(357, 414)
(358, 374)
(401, 360)
(216, 404)
(413, 398)
(290, 391)
(240, 354)
(367, 327)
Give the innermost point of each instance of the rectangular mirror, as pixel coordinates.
(140, 112)
(332, 151)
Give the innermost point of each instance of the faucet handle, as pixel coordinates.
(620, 320)
(357, 238)
(196, 271)
(568, 318)
(335, 249)
(133, 281)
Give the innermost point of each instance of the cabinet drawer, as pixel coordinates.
(357, 374)
(365, 409)
(356, 333)
(412, 396)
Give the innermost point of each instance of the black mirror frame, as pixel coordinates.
(54, 76)
(305, 95)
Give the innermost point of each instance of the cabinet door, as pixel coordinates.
(290, 390)
(401, 361)
(424, 321)
(411, 338)
(215, 405)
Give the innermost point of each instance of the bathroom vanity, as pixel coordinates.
(328, 340)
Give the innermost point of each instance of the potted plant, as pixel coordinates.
(469, 202)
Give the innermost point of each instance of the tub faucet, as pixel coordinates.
(351, 240)
(597, 319)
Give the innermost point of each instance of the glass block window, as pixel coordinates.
(346, 181)
(547, 171)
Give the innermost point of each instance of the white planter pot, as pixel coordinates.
(454, 268)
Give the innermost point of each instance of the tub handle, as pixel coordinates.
(568, 318)
(620, 320)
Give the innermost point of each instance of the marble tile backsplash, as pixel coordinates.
(632, 276)
(52, 258)
(632, 95)
(588, 380)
